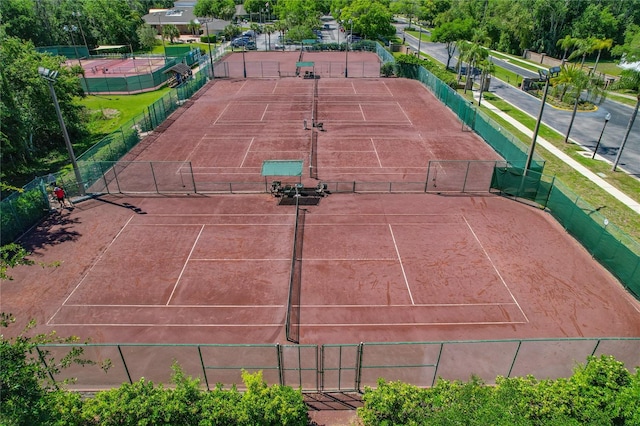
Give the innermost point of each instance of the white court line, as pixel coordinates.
(246, 214)
(362, 112)
(90, 269)
(143, 324)
(223, 259)
(412, 324)
(184, 267)
(495, 269)
(373, 144)
(211, 224)
(247, 152)
(426, 145)
(193, 150)
(266, 107)
(387, 87)
(405, 114)
(351, 259)
(221, 114)
(423, 305)
(401, 265)
(274, 88)
(175, 306)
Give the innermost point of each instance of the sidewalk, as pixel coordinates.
(602, 183)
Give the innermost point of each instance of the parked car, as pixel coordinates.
(239, 42)
(251, 45)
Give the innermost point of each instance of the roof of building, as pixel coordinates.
(182, 14)
(179, 68)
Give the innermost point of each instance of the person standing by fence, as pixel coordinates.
(61, 195)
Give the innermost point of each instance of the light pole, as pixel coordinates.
(206, 24)
(164, 48)
(51, 76)
(546, 75)
(626, 135)
(606, 120)
(77, 15)
(346, 60)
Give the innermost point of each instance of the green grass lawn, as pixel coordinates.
(107, 113)
(618, 213)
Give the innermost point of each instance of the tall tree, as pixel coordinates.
(450, 33)
(600, 45)
(29, 123)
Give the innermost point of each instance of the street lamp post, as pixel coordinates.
(626, 135)
(51, 76)
(547, 76)
(346, 60)
(606, 120)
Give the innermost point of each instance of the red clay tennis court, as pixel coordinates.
(392, 267)
(198, 267)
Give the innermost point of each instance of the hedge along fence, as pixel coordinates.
(21, 210)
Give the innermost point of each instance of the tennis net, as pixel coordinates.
(292, 324)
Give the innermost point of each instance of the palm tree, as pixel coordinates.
(565, 44)
(269, 29)
(577, 81)
(193, 27)
(282, 27)
(630, 80)
(583, 47)
(474, 54)
(599, 45)
(487, 67)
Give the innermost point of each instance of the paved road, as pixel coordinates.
(587, 126)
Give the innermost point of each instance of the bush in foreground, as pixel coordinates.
(602, 392)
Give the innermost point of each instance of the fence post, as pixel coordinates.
(124, 363)
(515, 357)
(193, 179)
(280, 366)
(321, 368)
(204, 369)
(464, 184)
(153, 175)
(359, 366)
(435, 372)
(44, 361)
(593, 352)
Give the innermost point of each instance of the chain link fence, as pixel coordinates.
(339, 367)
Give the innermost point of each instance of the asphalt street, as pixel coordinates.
(587, 126)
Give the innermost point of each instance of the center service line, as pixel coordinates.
(401, 265)
(185, 265)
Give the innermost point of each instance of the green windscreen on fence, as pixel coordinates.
(282, 168)
(615, 250)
